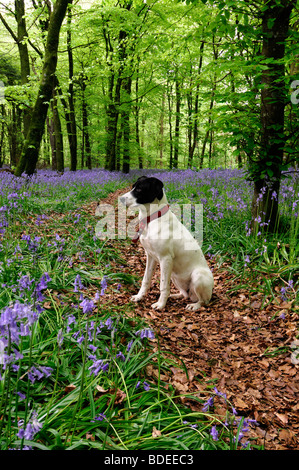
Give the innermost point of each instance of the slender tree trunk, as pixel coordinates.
(55, 136)
(15, 138)
(127, 85)
(169, 99)
(193, 113)
(177, 121)
(2, 134)
(51, 134)
(86, 150)
(71, 116)
(111, 137)
(209, 129)
(30, 153)
(161, 131)
(137, 113)
(266, 172)
(58, 135)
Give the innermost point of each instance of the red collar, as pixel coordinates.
(144, 222)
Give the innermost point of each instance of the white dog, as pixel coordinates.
(165, 239)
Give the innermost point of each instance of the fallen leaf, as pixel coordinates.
(282, 418)
(256, 304)
(240, 404)
(156, 432)
(69, 388)
(101, 389)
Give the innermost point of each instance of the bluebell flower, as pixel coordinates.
(209, 403)
(71, 319)
(31, 429)
(100, 417)
(145, 385)
(109, 323)
(97, 366)
(104, 285)
(21, 395)
(87, 306)
(146, 333)
(214, 433)
(78, 284)
(120, 355)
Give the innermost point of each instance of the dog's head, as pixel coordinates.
(144, 191)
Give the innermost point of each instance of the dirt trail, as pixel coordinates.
(233, 343)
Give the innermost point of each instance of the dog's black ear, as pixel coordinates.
(157, 186)
(140, 179)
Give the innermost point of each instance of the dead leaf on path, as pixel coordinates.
(101, 390)
(282, 418)
(240, 404)
(119, 396)
(69, 388)
(47, 305)
(156, 432)
(256, 304)
(288, 436)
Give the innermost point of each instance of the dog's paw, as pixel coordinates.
(193, 307)
(158, 306)
(136, 298)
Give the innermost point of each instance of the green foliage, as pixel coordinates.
(147, 42)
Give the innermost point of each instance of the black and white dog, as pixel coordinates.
(165, 239)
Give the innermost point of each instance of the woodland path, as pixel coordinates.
(233, 343)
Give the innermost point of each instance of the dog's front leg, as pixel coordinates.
(166, 269)
(151, 264)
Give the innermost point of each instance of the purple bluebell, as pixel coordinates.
(146, 333)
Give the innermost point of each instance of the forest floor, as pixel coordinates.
(233, 343)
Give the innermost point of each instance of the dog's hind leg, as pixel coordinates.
(183, 294)
(201, 288)
(180, 295)
(151, 264)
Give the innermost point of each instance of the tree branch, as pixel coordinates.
(8, 28)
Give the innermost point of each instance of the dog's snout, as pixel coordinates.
(122, 199)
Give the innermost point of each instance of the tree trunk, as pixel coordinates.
(2, 134)
(266, 171)
(51, 134)
(58, 135)
(23, 53)
(70, 115)
(177, 121)
(127, 83)
(15, 139)
(137, 109)
(30, 153)
(169, 99)
(209, 129)
(161, 132)
(86, 150)
(193, 113)
(111, 137)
